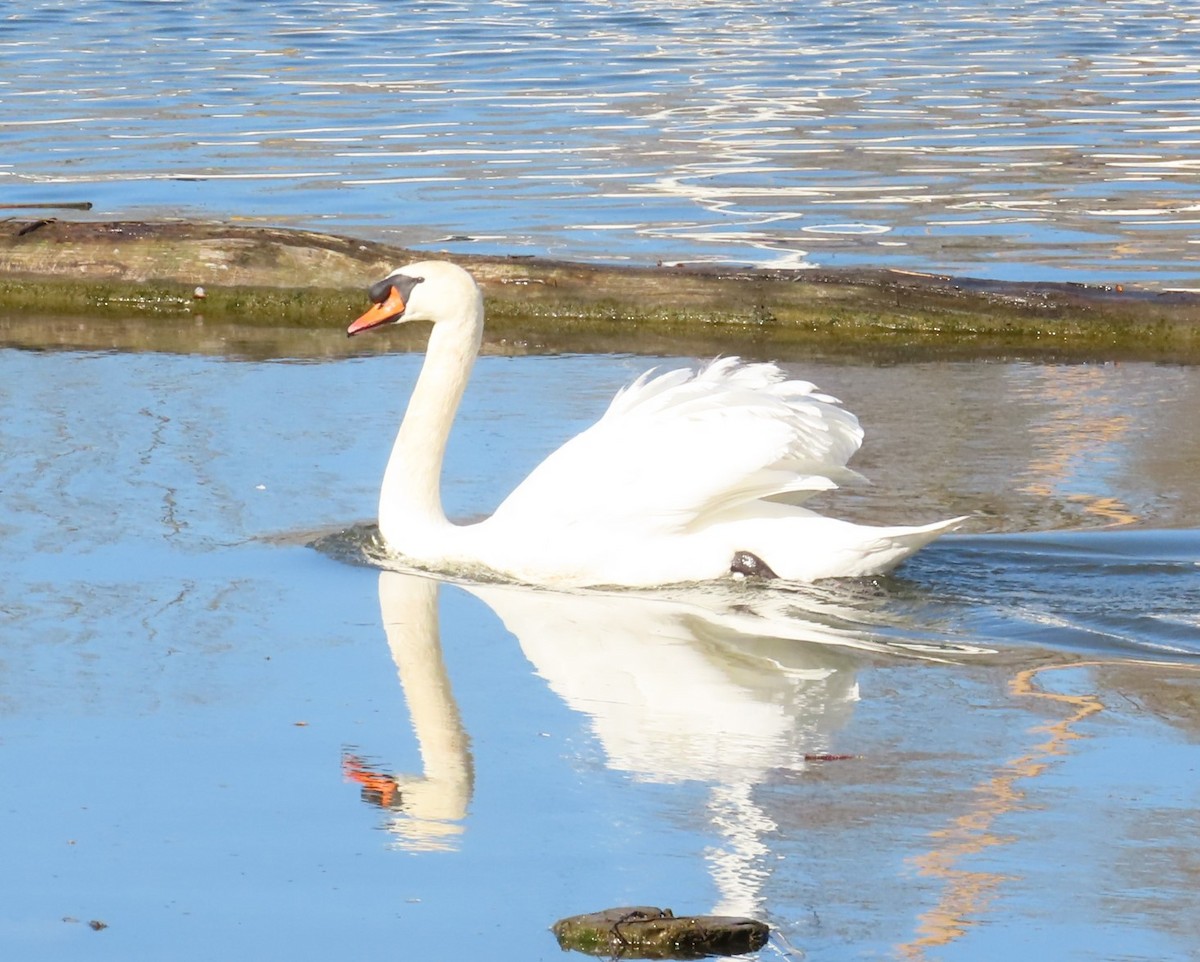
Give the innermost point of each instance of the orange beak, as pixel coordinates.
(391, 308)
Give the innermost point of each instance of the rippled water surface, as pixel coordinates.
(220, 737)
(1021, 140)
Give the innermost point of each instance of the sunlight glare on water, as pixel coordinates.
(1023, 140)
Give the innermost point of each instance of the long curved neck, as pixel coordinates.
(410, 501)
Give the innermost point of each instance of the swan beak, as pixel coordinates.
(391, 308)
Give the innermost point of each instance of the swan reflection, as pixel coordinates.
(675, 690)
(730, 689)
(683, 691)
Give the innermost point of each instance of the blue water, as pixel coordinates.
(1025, 140)
(218, 739)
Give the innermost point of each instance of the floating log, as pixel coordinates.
(648, 932)
(61, 205)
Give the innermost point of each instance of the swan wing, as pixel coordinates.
(675, 450)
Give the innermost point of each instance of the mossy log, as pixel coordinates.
(306, 281)
(647, 932)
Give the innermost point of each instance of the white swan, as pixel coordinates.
(688, 476)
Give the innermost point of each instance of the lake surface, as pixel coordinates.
(1023, 140)
(224, 733)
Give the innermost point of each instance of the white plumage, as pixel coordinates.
(685, 470)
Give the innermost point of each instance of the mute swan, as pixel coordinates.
(688, 476)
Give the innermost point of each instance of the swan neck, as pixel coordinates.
(411, 494)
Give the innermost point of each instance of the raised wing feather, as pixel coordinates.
(676, 449)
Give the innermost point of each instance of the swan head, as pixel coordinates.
(425, 291)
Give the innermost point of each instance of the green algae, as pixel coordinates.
(269, 306)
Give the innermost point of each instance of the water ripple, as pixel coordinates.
(980, 138)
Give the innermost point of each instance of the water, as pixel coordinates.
(1023, 140)
(217, 739)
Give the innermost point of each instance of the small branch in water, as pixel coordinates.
(65, 205)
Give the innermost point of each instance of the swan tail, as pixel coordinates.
(894, 545)
(813, 547)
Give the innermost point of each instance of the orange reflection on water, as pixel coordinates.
(966, 894)
(1084, 431)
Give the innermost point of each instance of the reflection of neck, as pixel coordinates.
(409, 606)
(410, 500)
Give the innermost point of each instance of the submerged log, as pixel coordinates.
(648, 932)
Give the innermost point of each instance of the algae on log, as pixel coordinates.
(302, 279)
(647, 932)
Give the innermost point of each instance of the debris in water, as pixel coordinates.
(647, 932)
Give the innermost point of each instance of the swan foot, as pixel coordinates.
(745, 564)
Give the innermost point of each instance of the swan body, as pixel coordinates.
(688, 476)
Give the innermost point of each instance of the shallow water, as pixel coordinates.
(219, 739)
(1023, 140)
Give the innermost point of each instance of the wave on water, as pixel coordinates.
(1113, 592)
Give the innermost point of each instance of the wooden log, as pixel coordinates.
(648, 932)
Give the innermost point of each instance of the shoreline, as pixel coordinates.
(262, 278)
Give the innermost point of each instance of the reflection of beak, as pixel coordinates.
(379, 788)
(391, 308)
